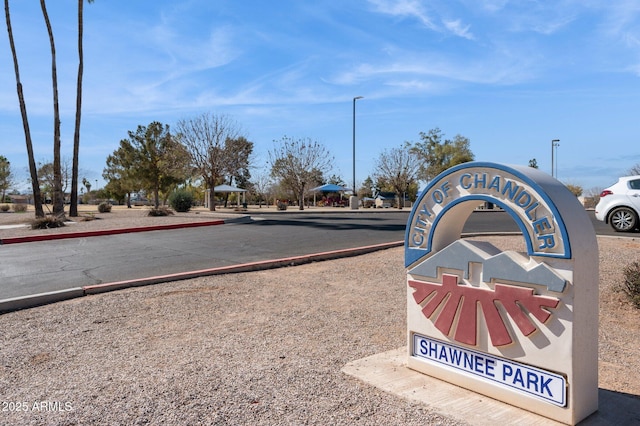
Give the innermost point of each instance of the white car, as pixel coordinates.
(619, 204)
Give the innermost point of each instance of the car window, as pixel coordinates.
(634, 184)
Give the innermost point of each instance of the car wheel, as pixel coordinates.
(623, 219)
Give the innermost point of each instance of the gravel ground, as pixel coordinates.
(254, 348)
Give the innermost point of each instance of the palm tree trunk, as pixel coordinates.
(58, 195)
(73, 207)
(35, 185)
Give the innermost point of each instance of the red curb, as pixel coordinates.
(33, 238)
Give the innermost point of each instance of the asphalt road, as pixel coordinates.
(32, 268)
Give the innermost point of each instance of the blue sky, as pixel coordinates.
(509, 75)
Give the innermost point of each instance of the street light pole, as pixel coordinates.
(554, 144)
(354, 198)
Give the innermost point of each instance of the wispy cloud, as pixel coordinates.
(183, 55)
(526, 17)
(502, 69)
(491, 5)
(456, 27)
(403, 9)
(415, 9)
(622, 22)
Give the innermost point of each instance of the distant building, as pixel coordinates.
(389, 199)
(20, 199)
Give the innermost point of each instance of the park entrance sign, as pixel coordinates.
(518, 326)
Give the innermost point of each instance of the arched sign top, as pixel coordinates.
(527, 194)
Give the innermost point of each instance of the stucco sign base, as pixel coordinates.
(517, 326)
(388, 371)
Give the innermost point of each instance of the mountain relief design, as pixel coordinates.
(453, 307)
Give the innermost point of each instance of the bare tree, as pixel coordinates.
(634, 170)
(47, 176)
(592, 197)
(206, 137)
(37, 196)
(398, 169)
(263, 186)
(296, 163)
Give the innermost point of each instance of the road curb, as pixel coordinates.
(35, 238)
(243, 267)
(25, 302)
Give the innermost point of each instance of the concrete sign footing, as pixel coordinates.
(388, 372)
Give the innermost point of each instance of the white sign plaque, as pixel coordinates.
(529, 380)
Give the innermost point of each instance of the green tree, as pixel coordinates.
(237, 153)
(6, 177)
(121, 181)
(439, 154)
(296, 163)
(87, 184)
(35, 187)
(154, 158)
(45, 174)
(367, 188)
(237, 157)
(398, 168)
(336, 180)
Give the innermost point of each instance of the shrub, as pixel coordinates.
(88, 217)
(4, 207)
(631, 285)
(160, 211)
(19, 208)
(47, 222)
(104, 207)
(282, 206)
(181, 200)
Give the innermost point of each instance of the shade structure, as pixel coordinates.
(225, 188)
(329, 187)
(228, 188)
